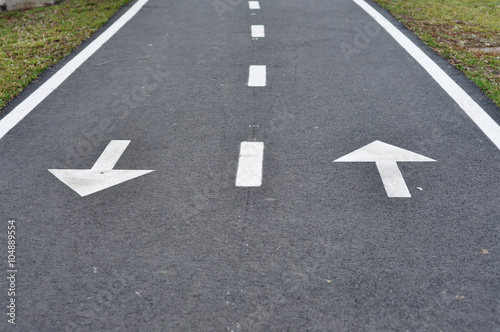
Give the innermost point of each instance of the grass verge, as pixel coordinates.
(35, 39)
(464, 32)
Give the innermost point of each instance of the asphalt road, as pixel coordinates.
(318, 245)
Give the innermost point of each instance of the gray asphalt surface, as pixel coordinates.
(318, 247)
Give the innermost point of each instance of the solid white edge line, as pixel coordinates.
(258, 31)
(489, 127)
(250, 162)
(257, 76)
(24, 108)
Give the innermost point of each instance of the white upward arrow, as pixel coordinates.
(386, 156)
(101, 175)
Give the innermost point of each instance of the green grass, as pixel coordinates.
(33, 40)
(458, 30)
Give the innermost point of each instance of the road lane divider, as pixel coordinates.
(257, 76)
(253, 5)
(258, 31)
(250, 162)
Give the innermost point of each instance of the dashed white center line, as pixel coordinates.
(249, 172)
(253, 5)
(257, 76)
(258, 31)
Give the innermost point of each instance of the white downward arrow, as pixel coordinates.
(386, 156)
(101, 175)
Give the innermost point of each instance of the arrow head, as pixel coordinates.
(86, 182)
(380, 151)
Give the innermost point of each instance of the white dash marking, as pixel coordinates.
(258, 31)
(253, 5)
(489, 127)
(249, 172)
(257, 76)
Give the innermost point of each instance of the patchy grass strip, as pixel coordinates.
(35, 39)
(464, 32)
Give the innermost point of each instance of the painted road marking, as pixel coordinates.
(489, 127)
(110, 155)
(249, 172)
(102, 175)
(253, 5)
(258, 31)
(257, 76)
(23, 109)
(386, 157)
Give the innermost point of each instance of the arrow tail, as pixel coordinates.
(394, 183)
(110, 155)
